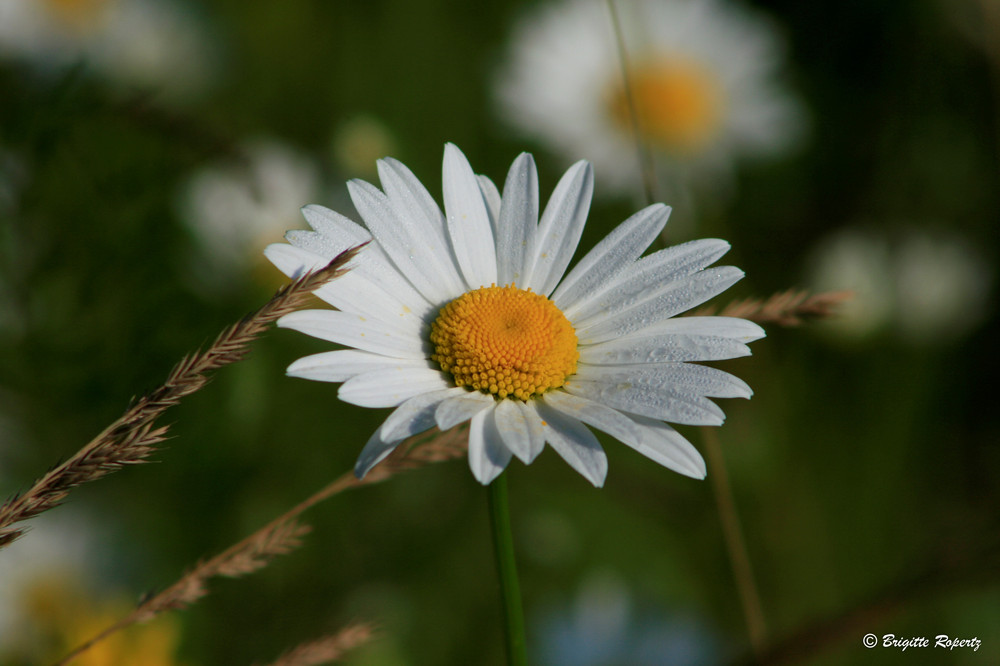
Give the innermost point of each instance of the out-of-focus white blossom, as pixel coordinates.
(704, 75)
(926, 287)
(238, 207)
(155, 45)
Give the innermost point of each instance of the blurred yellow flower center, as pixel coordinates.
(77, 14)
(678, 103)
(506, 341)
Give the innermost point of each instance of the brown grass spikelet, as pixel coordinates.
(327, 648)
(132, 437)
(784, 308)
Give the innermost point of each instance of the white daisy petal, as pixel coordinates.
(488, 456)
(512, 423)
(662, 348)
(661, 443)
(536, 432)
(401, 241)
(724, 327)
(491, 195)
(341, 365)
(675, 298)
(468, 220)
(375, 451)
(354, 331)
(461, 408)
(639, 281)
(352, 292)
(293, 261)
(415, 415)
(667, 405)
(389, 387)
(612, 255)
(335, 233)
(559, 229)
(518, 220)
(653, 439)
(422, 223)
(700, 379)
(575, 444)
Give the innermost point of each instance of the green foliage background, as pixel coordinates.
(865, 473)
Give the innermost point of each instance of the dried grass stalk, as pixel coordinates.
(328, 648)
(784, 308)
(280, 536)
(133, 437)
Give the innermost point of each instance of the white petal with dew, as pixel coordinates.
(415, 415)
(518, 222)
(351, 292)
(536, 432)
(461, 408)
(372, 263)
(342, 364)
(724, 327)
(574, 443)
(400, 240)
(354, 294)
(676, 297)
(491, 195)
(640, 280)
(559, 229)
(353, 331)
(423, 225)
(662, 445)
(660, 348)
(699, 379)
(388, 388)
(512, 424)
(468, 220)
(293, 261)
(667, 405)
(487, 454)
(611, 256)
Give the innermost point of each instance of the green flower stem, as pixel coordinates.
(510, 589)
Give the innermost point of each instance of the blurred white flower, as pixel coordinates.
(153, 44)
(928, 288)
(57, 548)
(703, 74)
(859, 262)
(237, 208)
(942, 287)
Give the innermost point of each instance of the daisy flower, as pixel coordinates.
(236, 208)
(703, 76)
(468, 316)
(930, 288)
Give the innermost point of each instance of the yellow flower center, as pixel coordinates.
(678, 102)
(77, 14)
(505, 341)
